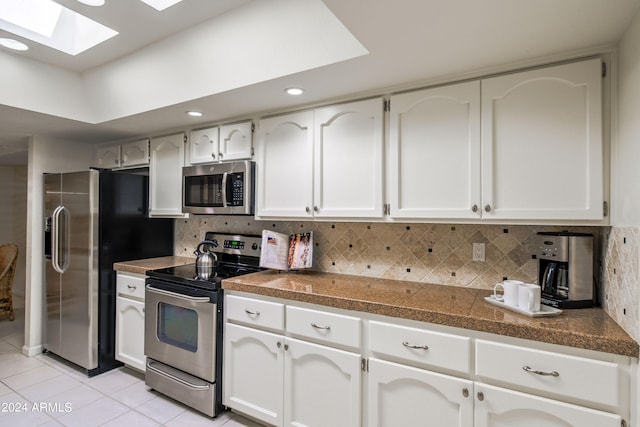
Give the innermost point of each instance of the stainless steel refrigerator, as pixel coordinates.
(92, 219)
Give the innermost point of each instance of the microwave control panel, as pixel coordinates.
(237, 189)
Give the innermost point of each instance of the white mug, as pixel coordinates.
(529, 297)
(509, 292)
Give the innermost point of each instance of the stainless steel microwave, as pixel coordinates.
(219, 188)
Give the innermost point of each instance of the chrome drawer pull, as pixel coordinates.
(420, 347)
(252, 313)
(551, 374)
(320, 327)
(131, 287)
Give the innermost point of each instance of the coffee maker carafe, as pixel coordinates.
(565, 269)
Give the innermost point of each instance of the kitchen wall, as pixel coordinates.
(428, 253)
(13, 221)
(621, 278)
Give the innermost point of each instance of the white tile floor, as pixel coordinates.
(46, 390)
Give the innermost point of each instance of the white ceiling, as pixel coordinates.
(388, 46)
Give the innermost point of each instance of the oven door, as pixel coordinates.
(180, 327)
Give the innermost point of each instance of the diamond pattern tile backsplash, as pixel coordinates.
(428, 253)
(442, 254)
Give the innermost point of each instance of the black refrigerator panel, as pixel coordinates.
(125, 233)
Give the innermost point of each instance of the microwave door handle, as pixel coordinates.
(225, 175)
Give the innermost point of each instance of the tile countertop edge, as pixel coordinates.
(140, 266)
(523, 327)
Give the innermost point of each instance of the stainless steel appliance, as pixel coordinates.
(565, 269)
(220, 188)
(93, 218)
(183, 323)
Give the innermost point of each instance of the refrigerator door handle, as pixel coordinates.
(60, 241)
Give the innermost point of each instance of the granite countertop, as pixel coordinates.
(588, 328)
(140, 266)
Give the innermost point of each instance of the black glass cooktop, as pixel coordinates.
(186, 274)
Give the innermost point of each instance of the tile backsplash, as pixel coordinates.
(442, 254)
(428, 253)
(620, 277)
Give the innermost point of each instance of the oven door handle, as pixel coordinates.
(177, 295)
(176, 379)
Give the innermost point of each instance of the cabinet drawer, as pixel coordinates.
(131, 285)
(255, 312)
(558, 375)
(324, 327)
(420, 347)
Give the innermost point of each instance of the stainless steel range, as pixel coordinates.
(183, 326)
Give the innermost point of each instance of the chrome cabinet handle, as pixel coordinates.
(307, 209)
(420, 347)
(487, 208)
(474, 208)
(315, 209)
(315, 325)
(465, 392)
(252, 313)
(480, 396)
(533, 371)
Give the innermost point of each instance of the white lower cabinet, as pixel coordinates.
(284, 381)
(308, 365)
(401, 395)
(498, 407)
(321, 385)
(253, 375)
(130, 320)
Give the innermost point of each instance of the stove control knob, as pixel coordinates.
(215, 243)
(254, 246)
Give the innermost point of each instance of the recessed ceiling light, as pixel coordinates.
(294, 91)
(13, 44)
(194, 113)
(92, 2)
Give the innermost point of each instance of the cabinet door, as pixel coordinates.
(203, 146)
(434, 153)
(496, 407)
(322, 386)
(253, 373)
(130, 332)
(236, 141)
(348, 160)
(135, 153)
(400, 395)
(285, 166)
(165, 176)
(108, 156)
(542, 150)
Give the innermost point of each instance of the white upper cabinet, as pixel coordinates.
(542, 144)
(135, 153)
(203, 145)
(284, 170)
(236, 141)
(434, 153)
(108, 156)
(349, 147)
(127, 155)
(526, 146)
(325, 163)
(219, 144)
(165, 176)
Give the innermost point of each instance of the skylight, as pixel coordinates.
(161, 4)
(53, 25)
